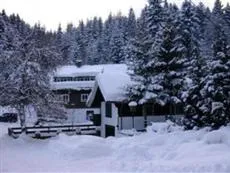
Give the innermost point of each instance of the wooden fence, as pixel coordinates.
(50, 131)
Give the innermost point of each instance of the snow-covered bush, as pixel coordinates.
(164, 127)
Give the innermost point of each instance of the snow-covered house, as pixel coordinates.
(98, 93)
(72, 84)
(116, 110)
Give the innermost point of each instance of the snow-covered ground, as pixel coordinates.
(154, 151)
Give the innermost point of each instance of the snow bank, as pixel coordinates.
(154, 151)
(217, 137)
(164, 127)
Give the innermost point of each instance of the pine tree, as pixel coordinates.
(106, 37)
(138, 57)
(117, 40)
(141, 48)
(203, 15)
(117, 44)
(208, 99)
(216, 90)
(154, 17)
(226, 17)
(166, 67)
(219, 28)
(227, 14)
(59, 44)
(189, 29)
(131, 25)
(194, 41)
(82, 43)
(69, 45)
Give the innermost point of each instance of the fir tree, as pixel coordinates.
(189, 30)
(142, 52)
(154, 15)
(117, 44)
(138, 57)
(227, 14)
(82, 43)
(131, 25)
(207, 101)
(216, 91)
(166, 68)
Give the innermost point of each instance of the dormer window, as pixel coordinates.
(63, 98)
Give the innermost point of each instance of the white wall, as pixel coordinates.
(127, 122)
(112, 121)
(79, 115)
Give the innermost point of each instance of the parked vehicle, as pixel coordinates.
(9, 117)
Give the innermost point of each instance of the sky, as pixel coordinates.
(51, 13)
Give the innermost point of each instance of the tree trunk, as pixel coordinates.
(22, 117)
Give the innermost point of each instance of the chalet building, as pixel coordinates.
(116, 111)
(97, 94)
(72, 85)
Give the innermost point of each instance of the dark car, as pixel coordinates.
(9, 117)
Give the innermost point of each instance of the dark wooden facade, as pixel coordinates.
(149, 108)
(98, 99)
(74, 97)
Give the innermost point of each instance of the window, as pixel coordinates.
(91, 77)
(62, 79)
(79, 78)
(64, 98)
(108, 109)
(84, 97)
(89, 115)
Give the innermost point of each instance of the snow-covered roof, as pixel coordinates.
(75, 85)
(112, 82)
(73, 70)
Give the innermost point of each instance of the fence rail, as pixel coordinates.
(50, 131)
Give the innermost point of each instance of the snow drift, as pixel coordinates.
(157, 150)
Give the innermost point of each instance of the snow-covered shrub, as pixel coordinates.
(164, 127)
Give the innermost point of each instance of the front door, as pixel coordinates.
(109, 130)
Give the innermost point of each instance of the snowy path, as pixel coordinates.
(192, 151)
